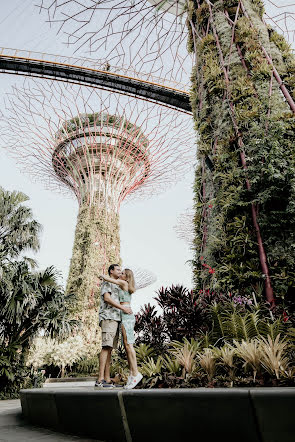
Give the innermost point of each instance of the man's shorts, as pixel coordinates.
(109, 333)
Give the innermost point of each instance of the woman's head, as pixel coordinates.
(128, 276)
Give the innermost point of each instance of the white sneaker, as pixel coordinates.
(129, 379)
(134, 381)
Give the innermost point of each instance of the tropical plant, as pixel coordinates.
(172, 365)
(230, 322)
(30, 300)
(207, 360)
(273, 355)
(192, 344)
(18, 230)
(51, 352)
(184, 314)
(181, 313)
(152, 370)
(149, 328)
(185, 356)
(251, 353)
(143, 351)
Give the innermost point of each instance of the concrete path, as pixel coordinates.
(13, 428)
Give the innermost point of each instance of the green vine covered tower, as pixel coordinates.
(243, 92)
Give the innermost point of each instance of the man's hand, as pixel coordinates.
(126, 309)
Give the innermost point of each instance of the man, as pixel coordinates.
(109, 321)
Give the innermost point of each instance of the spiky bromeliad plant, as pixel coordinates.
(243, 104)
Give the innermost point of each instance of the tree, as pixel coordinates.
(30, 301)
(18, 231)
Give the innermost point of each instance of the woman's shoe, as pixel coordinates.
(134, 381)
(129, 379)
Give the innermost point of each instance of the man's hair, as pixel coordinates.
(112, 267)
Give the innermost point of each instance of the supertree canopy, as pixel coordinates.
(150, 36)
(102, 147)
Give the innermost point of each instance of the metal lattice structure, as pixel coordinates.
(281, 17)
(143, 277)
(143, 33)
(150, 36)
(184, 228)
(104, 148)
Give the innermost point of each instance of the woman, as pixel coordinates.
(127, 285)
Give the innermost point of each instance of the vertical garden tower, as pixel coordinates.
(243, 103)
(101, 158)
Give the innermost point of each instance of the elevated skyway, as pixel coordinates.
(95, 73)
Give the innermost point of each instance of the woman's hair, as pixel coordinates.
(130, 280)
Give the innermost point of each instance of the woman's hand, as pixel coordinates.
(102, 277)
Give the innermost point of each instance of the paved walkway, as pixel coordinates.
(13, 428)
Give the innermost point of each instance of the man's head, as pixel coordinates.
(114, 271)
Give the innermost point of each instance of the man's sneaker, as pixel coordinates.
(103, 384)
(134, 381)
(117, 385)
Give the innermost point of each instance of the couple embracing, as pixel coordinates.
(115, 313)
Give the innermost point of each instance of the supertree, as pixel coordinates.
(102, 147)
(243, 104)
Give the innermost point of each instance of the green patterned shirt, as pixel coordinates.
(106, 311)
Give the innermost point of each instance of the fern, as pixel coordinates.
(272, 329)
(218, 325)
(192, 345)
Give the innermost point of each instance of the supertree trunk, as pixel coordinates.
(96, 246)
(243, 103)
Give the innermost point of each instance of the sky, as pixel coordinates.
(148, 238)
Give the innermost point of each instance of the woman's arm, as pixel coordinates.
(120, 282)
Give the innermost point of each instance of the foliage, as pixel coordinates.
(18, 231)
(149, 328)
(45, 352)
(237, 342)
(184, 314)
(30, 300)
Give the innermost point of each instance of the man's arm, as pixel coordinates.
(125, 308)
